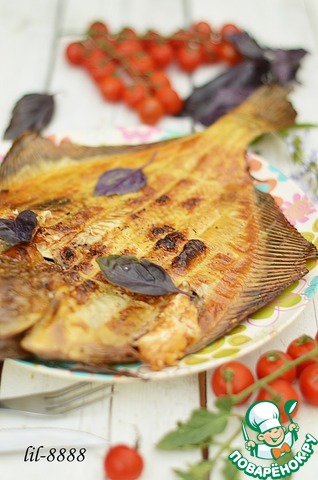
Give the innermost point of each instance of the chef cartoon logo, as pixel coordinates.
(274, 439)
(270, 440)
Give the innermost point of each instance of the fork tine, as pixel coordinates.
(65, 390)
(77, 401)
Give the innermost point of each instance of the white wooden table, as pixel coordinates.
(33, 35)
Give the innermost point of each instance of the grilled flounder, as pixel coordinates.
(199, 217)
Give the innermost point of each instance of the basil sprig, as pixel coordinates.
(19, 229)
(139, 276)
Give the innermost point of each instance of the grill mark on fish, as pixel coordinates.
(192, 250)
(163, 199)
(157, 231)
(191, 203)
(170, 242)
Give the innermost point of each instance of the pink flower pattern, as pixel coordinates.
(298, 210)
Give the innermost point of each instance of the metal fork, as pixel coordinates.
(58, 401)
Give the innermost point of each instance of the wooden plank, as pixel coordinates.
(26, 38)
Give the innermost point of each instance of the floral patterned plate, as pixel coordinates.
(260, 327)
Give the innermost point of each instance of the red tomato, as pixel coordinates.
(150, 110)
(308, 383)
(128, 47)
(170, 100)
(179, 38)
(271, 361)
(189, 58)
(299, 347)
(123, 463)
(97, 28)
(231, 378)
(228, 53)
(127, 33)
(229, 29)
(142, 63)
(112, 88)
(202, 28)
(99, 65)
(151, 38)
(210, 52)
(162, 54)
(279, 391)
(316, 337)
(158, 79)
(75, 53)
(134, 94)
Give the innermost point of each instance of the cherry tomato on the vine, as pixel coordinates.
(202, 28)
(142, 63)
(299, 347)
(162, 54)
(229, 29)
(123, 463)
(158, 79)
(112, 88)
(97, 28)
(134, 94)
(170, 100)
(228, 53)
(75, 53)
(190, 57)
(308, 383)
(271, 361)
(150, 110)
(126, 48)
(231, 378)
(279, 391)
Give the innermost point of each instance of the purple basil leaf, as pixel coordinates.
(285, 64)
(20, 229)
(224, 101)
(32, 112)
(204, 102)
(139, 276)
(120, 181)
(248, 46)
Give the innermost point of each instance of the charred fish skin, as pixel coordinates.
(210, 230)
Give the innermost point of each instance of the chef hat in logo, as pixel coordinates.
(263, 416)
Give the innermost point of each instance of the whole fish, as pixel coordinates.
(224, 249)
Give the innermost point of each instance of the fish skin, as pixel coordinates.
(199, 217)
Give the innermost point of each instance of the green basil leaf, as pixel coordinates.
(197, 471)
(198, 430)
(230, 471)
(139, 276)
(224, 403)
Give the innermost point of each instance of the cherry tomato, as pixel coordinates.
(316, 337)
(142, 63)
(112, 88)
(97, 28)
(134, 94)
(271, 361)
(75, 53)
(231, 378)
(229, 54)
(202, 28)
(127, 33)
(279, 391)
(308, 383)
(99, 65)
(150, 110)
(179, 38)
(126, 48)
(170, 100)
(210, 52)
(162, 54)
(189, 58)
(229, 29)
(123, 463)
(151, 38)
(158, 79)
(299, 347)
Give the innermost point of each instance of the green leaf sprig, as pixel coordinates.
(204, 426)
